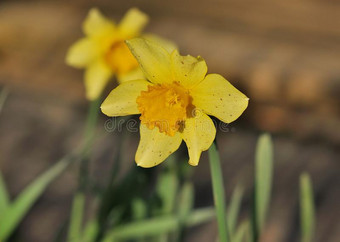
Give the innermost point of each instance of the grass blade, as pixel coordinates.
(18, 209)
(307, 211)
(185, 204)
(186, 200)
(90, 231)
(158, 226)
(200, 216)
(4, 197)
(234, 208)
(78, 204)
(167, 187)
(218, 191)
(139, 209)
(263, 181)
(243, 232)
(140, 229)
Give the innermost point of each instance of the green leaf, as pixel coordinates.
(91, 121)
(218, 191)
(186, 200)
(157, 226)
(185, 204)
(234, 208)
(78, 205)
(90, 231)
(4, 197)
(243, 232)
(18, 209)
(167, 187)
(150, 227)
(307, 211)
(139, 209)
(263, 180)
(200, 216)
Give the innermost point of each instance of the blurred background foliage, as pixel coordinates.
(283, 55)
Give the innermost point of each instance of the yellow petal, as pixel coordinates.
(122, 100)
(198, 134)
(134, 74)
(168, 45)
(188, 70)
(217, 97)
(97, 76)
(154, 147)
(97, 25)
(133, 23)
(82, 53)
(153, 59)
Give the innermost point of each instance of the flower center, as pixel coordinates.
(165, 106)
(120, 59)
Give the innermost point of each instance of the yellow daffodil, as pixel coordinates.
(174, 103)
(103, 51)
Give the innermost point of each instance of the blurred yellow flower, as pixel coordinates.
(174, 103)
(103, 51)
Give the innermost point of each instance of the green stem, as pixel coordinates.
(307, 210)
(91, 120)
(107, 199)
(89, 133)
(218, 191)
(4, 196)
(78, 203)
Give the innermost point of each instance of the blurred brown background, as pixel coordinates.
(285, 55)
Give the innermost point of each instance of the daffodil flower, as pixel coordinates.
(103, 52)
(174, 103)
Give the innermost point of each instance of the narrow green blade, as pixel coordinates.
(139, 209)
(78, 204)
(4, 197)
(158, 225)
(234, 208)
(185, 204)
(186, 200)
(263, 180)
(90, 231)
(200, 216)
(218, 191)
(167, 187)
(18, 209)
(307, 211)
(242, 232)
(140, 229)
